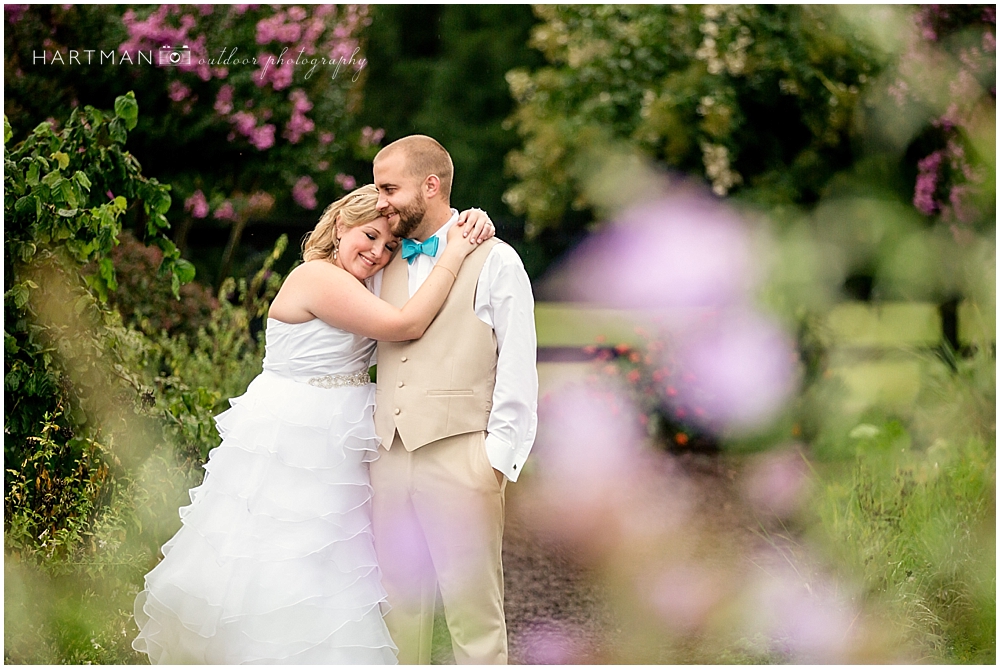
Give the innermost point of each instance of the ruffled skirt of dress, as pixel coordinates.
(275, 561)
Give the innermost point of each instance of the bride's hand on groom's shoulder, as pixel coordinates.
(475, 225)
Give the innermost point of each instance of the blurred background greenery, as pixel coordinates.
(857, 142)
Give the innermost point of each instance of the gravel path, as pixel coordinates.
(551, 588)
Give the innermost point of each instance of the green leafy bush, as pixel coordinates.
(65, 194)
(106, 424)
(144, 296)
(681, 84)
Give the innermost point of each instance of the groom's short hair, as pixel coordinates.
(424, 156)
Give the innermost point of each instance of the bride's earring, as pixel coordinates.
(336, 246)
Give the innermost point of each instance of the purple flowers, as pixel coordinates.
(676, 252)
(225, 212)
(304, 192)
(689, 258)
(934, 170)
(345, 181)
(371, 137)
(274, 28)
(155, 31)
(299, 124)
(744, 368)
(13, 12)
(177, 91)
(224, 100)
(262, 137)
(554, 643)
(946, 182)
(197, 205)
(927, 181)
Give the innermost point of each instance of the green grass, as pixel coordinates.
(917, 529)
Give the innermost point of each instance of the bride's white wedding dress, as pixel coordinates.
(275, 562)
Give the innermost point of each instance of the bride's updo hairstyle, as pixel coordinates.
(353, 209)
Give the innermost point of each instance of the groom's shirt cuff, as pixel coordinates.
(503, 458)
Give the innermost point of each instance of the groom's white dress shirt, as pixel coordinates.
(505, 303)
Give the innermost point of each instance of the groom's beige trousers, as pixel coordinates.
(438, 515)
(438, 510)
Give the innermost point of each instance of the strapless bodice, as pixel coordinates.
(312, 349)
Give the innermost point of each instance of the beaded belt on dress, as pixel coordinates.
(359, 378)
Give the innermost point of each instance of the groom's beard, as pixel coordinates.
(410, 216)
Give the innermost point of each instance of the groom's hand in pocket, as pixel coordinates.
(500, 476)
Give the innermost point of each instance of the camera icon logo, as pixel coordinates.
(174, 56)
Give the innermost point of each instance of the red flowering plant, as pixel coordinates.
(665, 396)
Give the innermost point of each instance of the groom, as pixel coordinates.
(456, 412)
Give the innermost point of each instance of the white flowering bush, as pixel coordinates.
(747, 97)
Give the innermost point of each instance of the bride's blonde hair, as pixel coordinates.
(353, 209)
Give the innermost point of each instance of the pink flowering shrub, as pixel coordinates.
(257, 98)
(950, 182)
(286, 87)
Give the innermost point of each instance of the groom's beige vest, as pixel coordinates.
(440, 385)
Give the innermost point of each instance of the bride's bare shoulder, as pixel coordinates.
(314, 268)
(319, 277)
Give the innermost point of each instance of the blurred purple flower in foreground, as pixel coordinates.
(687, 261)
(590, 442)
(743, 368)
(678, 251)
(409, 556)
(553, 643)
(683, 596)
(591, 454)
(809, 623)
(777, 483)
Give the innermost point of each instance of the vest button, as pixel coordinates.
(403, 359)
(396, 411)
(400, 384)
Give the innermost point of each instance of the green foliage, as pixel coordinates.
(192, 378)
(106, 424)
(910, 513)
(682, 84)
(54, 512)
(144, 297)
(78, 609)
(65, 194)
(918, 529)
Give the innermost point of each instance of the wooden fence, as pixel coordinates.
(877, 350)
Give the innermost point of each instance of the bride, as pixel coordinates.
(274, 562)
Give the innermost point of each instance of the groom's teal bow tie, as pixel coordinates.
(412, 249)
